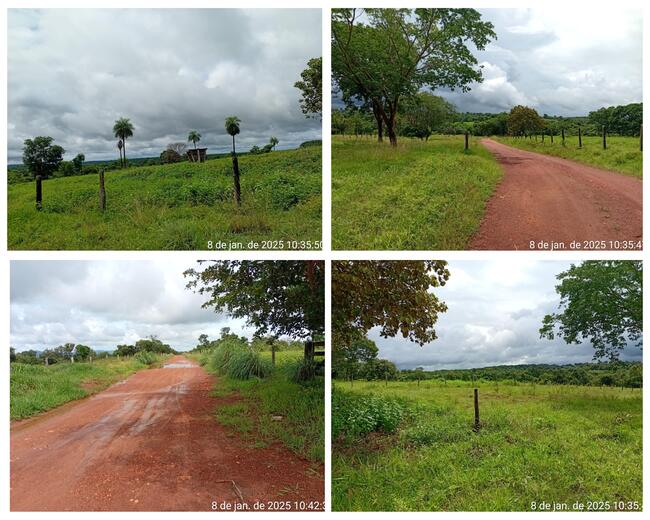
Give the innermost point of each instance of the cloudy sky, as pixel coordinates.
(72, 73)
(495, 312)
(543, 58)
(104, 304)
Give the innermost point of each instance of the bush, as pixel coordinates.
(246, 363)
(146, 358)
(315, 142)
(304, 370)
(355, 416)
(284, 192)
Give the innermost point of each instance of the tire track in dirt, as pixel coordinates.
(545, 198)
(149, 443)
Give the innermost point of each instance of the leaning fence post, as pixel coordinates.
(39, 192)
(477, 419)
(102, 190)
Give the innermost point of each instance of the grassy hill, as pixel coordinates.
(176, 206)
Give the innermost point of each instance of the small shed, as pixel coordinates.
(197, 154)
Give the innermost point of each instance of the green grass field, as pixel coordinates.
(37, 388)
(622, 154)
(420, 195)
(177, 206)
(301, 406)
(558, 444)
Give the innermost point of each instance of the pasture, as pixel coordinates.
(405, 446)
(622, 154)
(274, 408)
(421, 195)
(38, 388)
(180, 206)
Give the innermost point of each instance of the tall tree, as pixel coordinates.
(78, 162)
(524, 121)
(399, 51)
(232, 127)
(282, 297)
(393, 295)
(123, 129)
(600, 302)
(424, 113)
(41, 157)
(311, 88)
(194, 137)
(273, 141)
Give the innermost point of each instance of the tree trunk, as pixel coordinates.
(39, 193)
(124, 150)
(380, 122)
(102, 191)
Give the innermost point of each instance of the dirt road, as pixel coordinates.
(149, 443)
(544, 198)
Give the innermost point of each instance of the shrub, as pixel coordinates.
(145, 357)
(246, 363)
(315, 142)
(355, 416)
(304, 370)
(283, 192)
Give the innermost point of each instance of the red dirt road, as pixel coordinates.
(544, 198)
(149, 443)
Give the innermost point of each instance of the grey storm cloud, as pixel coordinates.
(103, 304)
(73, 72)
(544, 59)
(495, 310)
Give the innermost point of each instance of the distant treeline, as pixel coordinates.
(17, 173)
(425, 114)
(79, 353)
(620, 373)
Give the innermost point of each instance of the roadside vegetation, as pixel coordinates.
(417, 195)
(264, 402)
(174, 206)
(622, 154)
(412, 446)
(36, 388)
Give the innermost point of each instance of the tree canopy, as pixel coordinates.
(282, 297)
(41, 157)
(524, 121)
(600, 302)
(396, 52)
(311, 88)
(393, 295)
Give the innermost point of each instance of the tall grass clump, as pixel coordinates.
(146, 358)
(236, 359)
(356, 415)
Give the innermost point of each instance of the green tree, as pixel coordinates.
(399, 51)
(194, 137)
(153, 344)
(283, 297)
(232, 128)
(12, 354)
(28, 357)
(393, 295)
(66, 169)
(524, 121)
(425, 113)
(311, 88)
(379, 369)
(120, 145)
(41, 157)
(123, 129)
(125, 350)
(600, 302)
(273, 142)
(78, 162)
(347, 358)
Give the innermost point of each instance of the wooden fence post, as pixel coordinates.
(235, 172)
(563, 137)
(39, 192)
(477, 418)
(551, 137)
(466, 140)
(102, 190)
(604, 137)
(579, 137)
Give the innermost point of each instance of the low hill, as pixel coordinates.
(176, 206)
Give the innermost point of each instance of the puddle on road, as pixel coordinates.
(179, 365)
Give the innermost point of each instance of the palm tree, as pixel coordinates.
(120, 144)
(194, 137)
(123, 129)
(273, 141)
(232, 127)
